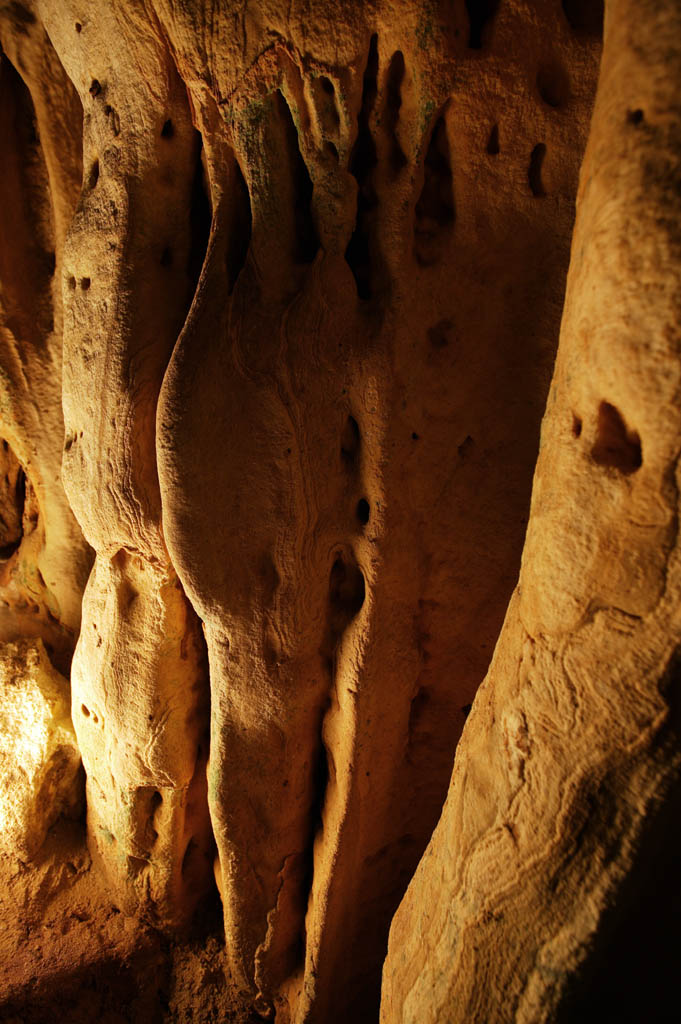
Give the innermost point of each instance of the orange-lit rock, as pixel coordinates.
(39, 759)
(572, 746)
(308, 289)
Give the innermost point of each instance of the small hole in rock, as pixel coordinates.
(414, 436)
(363, 511)
(327, 85)
(480, 12)
(576, 426)
(85, 283)
(615, 445)
(350, 439)
(95, 88)
(635, 116)
(85, 710)
(534, 171)
(493, 141)
(79, 27)
(72, 283)
(167, 131)
(331, 149)
(94, 175)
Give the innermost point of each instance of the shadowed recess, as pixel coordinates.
(480, 13)
(12, 500)
(306, 240)
(200, 217)
(434, 213)
(362, 163)
(393, 102)
(615, 445)
(240, 218)
(585, 16)
(534, 171)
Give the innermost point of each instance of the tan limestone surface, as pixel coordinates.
(44, 560)
(39, 757)
(301, 315)
(572, 745)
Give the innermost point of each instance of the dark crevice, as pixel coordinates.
(346, 593)
(493, 141)
(167, 131)
(240, 226)
(319, 785)
(306, 241)
(363, 511)
(615, 445)
(26, 215)
(585, 16)
(200, 219)
(191, 851)
(362, 163)
(12, 503)
(393, 103)
(327, 110)
(534, 175)
(435, 211)
(350, 441)
(93, 177)
(480, 13)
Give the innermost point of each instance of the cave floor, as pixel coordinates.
(67, 953)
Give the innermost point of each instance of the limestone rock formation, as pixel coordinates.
(39, 758)
(572, 745)
(44, 561)
(281, 288)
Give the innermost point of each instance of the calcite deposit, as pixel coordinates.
(281, 290)
(39, 758)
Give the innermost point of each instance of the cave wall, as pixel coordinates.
(565, 784)
(281, 292)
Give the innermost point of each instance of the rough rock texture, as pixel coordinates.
(572, 745)
(39, 758)
(44, 560)
(325, 421)
(139, 677)
(311, 294)
(302, 311)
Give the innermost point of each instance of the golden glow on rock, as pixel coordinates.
(39, 758)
